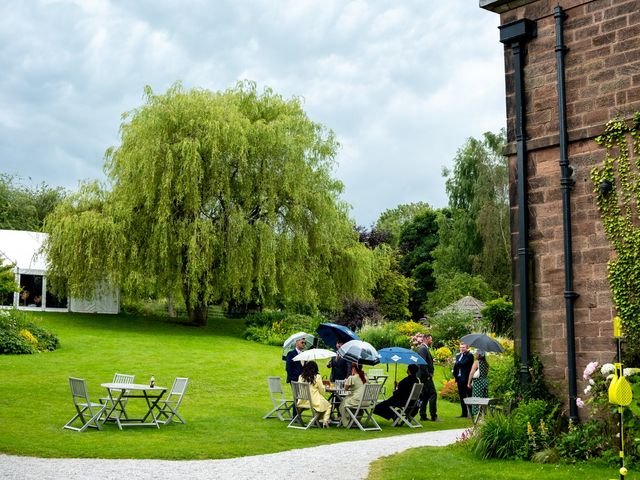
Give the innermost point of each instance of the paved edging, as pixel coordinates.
(306, 463)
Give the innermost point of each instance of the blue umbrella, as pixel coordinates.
(399, 355)
(332, 333)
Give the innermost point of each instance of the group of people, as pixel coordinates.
(471, 376)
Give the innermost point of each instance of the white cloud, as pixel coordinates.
(402, 84)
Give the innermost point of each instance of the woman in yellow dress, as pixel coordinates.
(354, 384)
(310, 374)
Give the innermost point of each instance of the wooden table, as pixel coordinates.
(119, 391)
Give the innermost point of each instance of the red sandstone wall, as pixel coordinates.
(602, 81)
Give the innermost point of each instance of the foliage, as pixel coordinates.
(442, 355)
(8, 283)
(225, 197)
(392, 289)
(449, 391)
(475, 232)
(618, 206)
(355, 312)
(498, 314)
(393, 220)
(418, 239)
(499, 437)
(18, 335)
(275, 327)
(373, 238)
(410, 328)
(24, 207)
(452, 288)
(583, 442)
(450, 326)
(384, 335)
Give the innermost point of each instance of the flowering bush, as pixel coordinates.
(449, 391)
(443, 356)
(18, 335)
(409, 328)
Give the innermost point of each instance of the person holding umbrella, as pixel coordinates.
(425, 374)
(461, 370)
(294, 369)
(339, 366)
(479, 379)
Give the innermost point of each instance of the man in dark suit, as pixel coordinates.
(461, 370)
(425, 374)
(294, 369)
(400, 395)
(340, 368)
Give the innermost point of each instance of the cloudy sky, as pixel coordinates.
(402, 83)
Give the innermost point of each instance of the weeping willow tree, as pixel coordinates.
(225, 197)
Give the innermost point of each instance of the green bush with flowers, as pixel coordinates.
(18, 335)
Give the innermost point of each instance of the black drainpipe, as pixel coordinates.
(566, 182)
(516, 34)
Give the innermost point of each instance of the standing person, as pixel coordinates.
(339, 366)
(461, 370)
(355, 384)
(294, 368)
(425, 374)
(311, 375)
(400, 394)
(479, 382)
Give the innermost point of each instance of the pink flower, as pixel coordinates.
(589, 370)
(579, 402)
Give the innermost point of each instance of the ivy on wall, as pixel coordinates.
(617, 190)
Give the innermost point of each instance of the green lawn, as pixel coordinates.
(455, 463)
(226, 397)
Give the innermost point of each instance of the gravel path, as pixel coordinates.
(304, 463)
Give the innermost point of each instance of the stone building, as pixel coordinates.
(570, 66)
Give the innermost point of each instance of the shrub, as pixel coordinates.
(354, 313)
(498, 437)
(450, 326)
(19, 336)
(499, 316)
(449, 391)
(582, 442)
(384, 336)
(410, 328)
(273, 328)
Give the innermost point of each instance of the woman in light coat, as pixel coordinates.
(310, 374)
(355, 385)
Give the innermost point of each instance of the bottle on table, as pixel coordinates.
(152, 382)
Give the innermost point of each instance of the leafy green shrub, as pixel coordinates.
(499, 316)
(273, 328)
(450, 326)
(498, 437)
(19, 336)
(582, 442)
(384, 335)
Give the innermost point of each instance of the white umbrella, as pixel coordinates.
(290, 343)
(314, 354)
(360, 352)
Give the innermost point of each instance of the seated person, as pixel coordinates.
(400, 395)
(310, 374)
(355, 385)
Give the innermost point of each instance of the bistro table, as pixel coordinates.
(119, 391)
(335, 397)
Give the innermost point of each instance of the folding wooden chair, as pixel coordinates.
(120, 404)
(282, 408)
(362, 415)
(407, 413)
(82, 404)
(302, 393)
(169, 406)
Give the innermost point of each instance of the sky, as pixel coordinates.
(402, 83)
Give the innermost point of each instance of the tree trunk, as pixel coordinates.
(198, 314)
(171, 309)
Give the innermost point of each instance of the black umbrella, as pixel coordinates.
(331, 333)
(483, 342)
